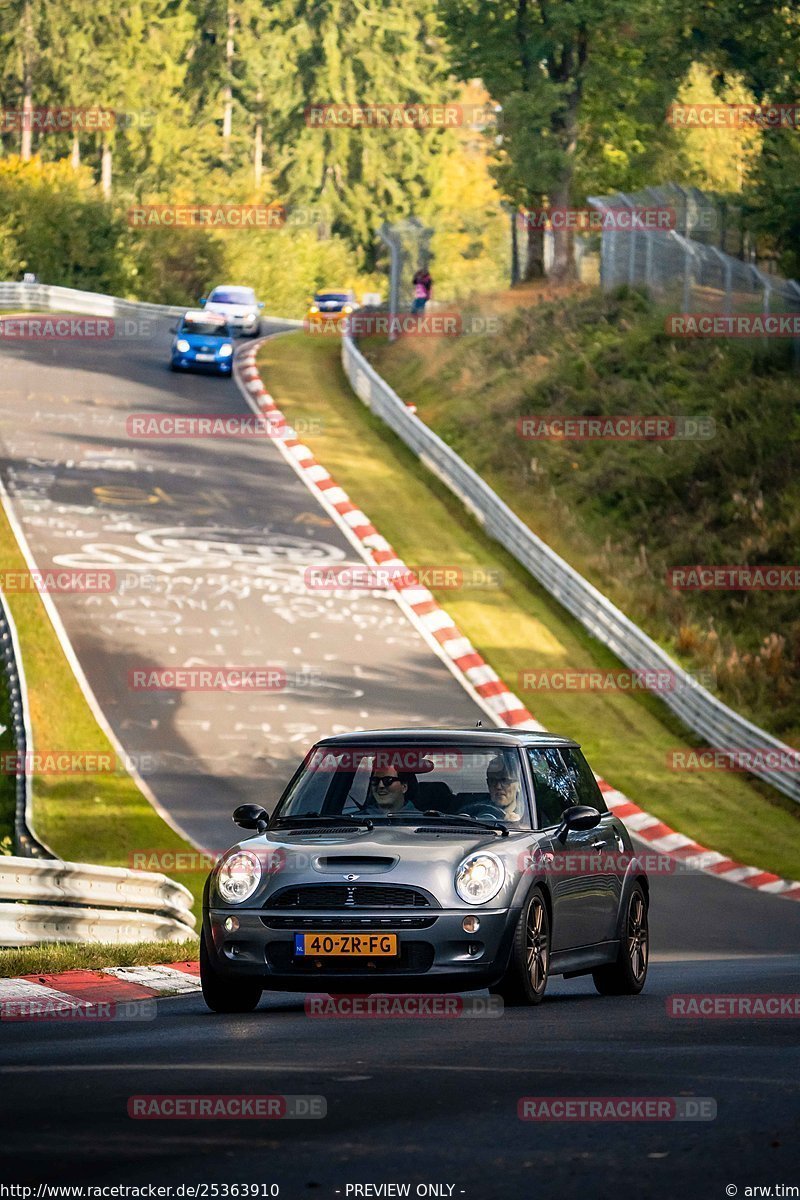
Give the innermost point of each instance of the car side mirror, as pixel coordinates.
(251, 816)
(173, 328)
(579, 818)
(261, 304)
(202, 301)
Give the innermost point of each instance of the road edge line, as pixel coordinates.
(80, 676)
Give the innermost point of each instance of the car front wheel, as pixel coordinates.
(222, 994)
(626, 976)
(525, 980)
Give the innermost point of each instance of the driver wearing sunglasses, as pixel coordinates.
(388, 792)
(504, 788)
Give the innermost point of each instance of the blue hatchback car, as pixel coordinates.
(203, 341)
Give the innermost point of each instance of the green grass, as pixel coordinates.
(51, 958)
(101, 818)
(623, 513)
(517, 626)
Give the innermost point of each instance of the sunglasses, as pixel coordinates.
(501, 779)
(384, 781)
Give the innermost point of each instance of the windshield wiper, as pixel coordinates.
(326, 819)
(464, 818)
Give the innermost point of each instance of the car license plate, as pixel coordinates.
(351, 945)
(205, 357)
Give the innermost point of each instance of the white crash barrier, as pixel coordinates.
(81, 902)
(33, 924)
(47, 298)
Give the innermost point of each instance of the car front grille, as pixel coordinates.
(350, 923)
(347, 896)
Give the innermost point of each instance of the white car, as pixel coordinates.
(238, 305)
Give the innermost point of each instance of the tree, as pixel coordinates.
(757, 42)
(58, 227)
(566, 72)
(359, 52)
(128, 62)
(27, 39)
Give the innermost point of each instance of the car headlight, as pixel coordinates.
(347, 308)
(314, 308)
(250, 316)
(238, 877)
(479, 878)
(182, 345)
(226, 350)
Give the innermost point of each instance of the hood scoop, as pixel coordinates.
(363, 864)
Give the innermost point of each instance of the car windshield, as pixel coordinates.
(414, 783)
(233, 296)
(205, 328)
(332, 298)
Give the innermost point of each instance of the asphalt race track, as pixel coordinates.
(409, 1101)
(421, 1100)
(208, 541)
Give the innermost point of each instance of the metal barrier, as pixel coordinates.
(62, 901)
(52, 298)
(700, 711)
(35, 924)
(82, 902)
(683, 265)
(150, 906)
(25, 839)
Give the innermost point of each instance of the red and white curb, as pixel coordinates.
(56, 997)
(464, 661)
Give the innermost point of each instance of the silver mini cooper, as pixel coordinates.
(428, 860)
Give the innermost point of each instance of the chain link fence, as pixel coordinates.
(702, 261)
(409, 246)
(685, 265)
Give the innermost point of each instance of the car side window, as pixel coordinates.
(552, 787)
(587, 791)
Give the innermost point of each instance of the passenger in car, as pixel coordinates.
(391, 791)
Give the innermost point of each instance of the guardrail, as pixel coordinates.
(25, 839)
(81, 902)
(53, 298)
(55, 901)
(702, 712)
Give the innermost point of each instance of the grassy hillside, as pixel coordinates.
(625, 512)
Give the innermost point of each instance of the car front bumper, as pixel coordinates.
(242, 325)
(188, 362)
(435, 952)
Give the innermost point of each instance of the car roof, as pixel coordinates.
(200, 314)
(232, 287)
(484, 736)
